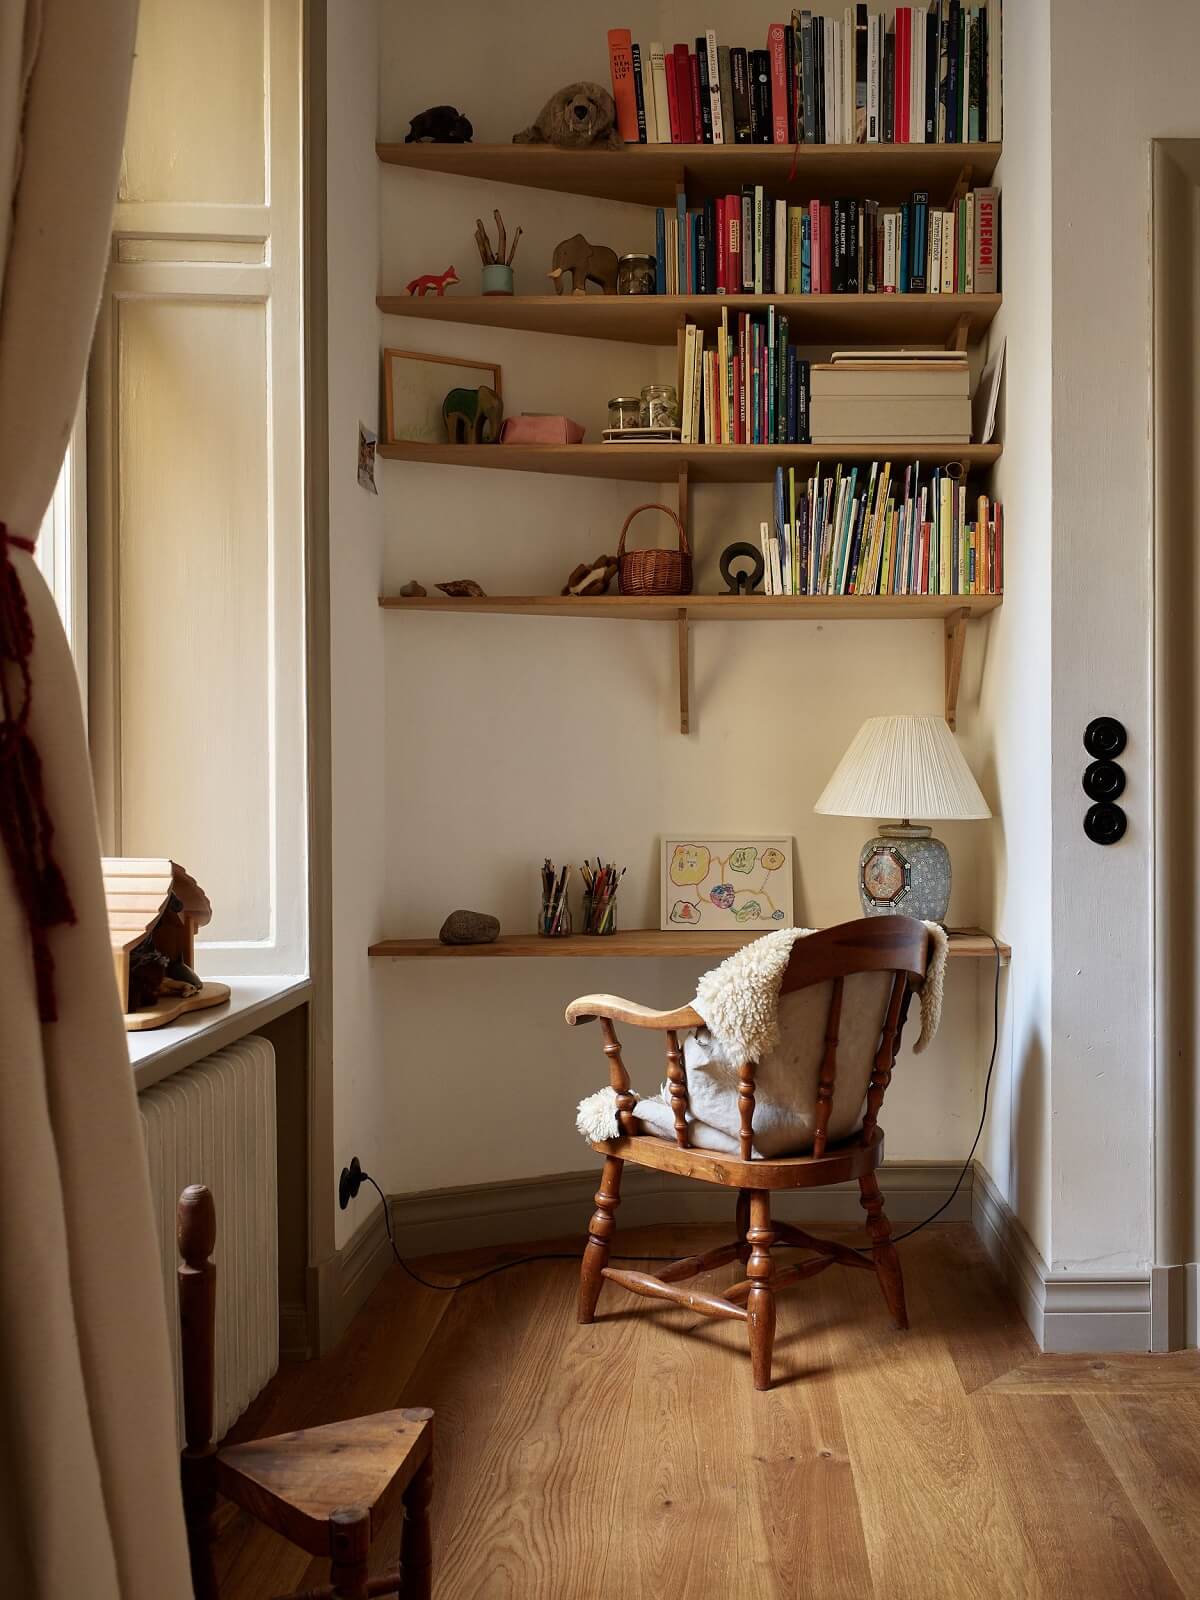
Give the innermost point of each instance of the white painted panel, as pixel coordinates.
(192, 555)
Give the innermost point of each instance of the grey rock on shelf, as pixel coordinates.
(469, 927)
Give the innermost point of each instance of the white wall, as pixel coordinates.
(356, 633)
(508, 739)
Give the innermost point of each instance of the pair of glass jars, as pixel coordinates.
(656, 407)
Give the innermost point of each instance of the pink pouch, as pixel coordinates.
(528, 429)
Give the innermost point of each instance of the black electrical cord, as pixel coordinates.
(564, 1255)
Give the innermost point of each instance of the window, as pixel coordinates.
(62, 547)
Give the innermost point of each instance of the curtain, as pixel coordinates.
(90, 1501)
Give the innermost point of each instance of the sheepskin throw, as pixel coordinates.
(748, 1021)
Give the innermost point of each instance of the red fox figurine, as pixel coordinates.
(435, 282)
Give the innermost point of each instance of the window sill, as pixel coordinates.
(159, 1052)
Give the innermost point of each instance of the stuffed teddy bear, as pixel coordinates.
(581, 115)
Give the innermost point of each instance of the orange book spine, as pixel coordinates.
(620, 63)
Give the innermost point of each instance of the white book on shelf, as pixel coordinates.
(918, 75)
(780, 279)
(968, 272)
(832, 125)
(948, 248)
(714, 87)
(935, 252)
(764, 539)
(662, 109)
(760, 237)
(697, 382)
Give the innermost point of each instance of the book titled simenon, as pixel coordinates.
(987, 238)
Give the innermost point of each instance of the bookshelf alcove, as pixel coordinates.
(650, 175)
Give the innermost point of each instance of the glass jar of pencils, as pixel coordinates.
(600, 913)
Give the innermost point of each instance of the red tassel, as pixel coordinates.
(26, 827)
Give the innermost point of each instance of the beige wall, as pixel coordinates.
(507, 739)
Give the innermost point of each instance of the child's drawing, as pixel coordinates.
(742, 883)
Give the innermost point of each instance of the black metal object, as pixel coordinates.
(742, 582)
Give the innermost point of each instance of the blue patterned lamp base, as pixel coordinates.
(905, 870)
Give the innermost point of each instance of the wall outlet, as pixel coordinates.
(350, 1182)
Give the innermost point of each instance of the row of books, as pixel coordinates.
(929, 74)
(749, 386)
(749, 243)
(857, 531)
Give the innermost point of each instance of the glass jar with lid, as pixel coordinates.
(625, 411)
(635, 274)
(660, 406)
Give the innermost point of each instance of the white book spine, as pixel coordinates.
(714, 86)
(697, 383)
(764, 539)
(780, 278)
(889, 252)
(832, 29)
(935, 252)
(662, 109)
(918, 75)
(759, 237)
(873, 79)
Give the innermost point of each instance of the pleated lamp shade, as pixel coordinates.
(908, 767)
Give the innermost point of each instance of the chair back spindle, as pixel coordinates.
(746, 1109)
(828, 1072)
(885, 1056)
(677, 1082)
(196, 1235)
(619, 1078)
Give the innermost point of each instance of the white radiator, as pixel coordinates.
(214, 1123)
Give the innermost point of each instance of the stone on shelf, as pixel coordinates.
(469, 927)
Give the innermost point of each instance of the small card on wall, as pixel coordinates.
(741, 883)
(366, 458)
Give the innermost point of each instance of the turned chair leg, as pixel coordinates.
(760, 1305)
(416, 1547)
(742, 1224)
(349, 1547)
(884, 1252)
(600, 1232)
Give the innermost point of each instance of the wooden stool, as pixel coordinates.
(329, 1490)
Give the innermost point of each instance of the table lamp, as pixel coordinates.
(904, 767)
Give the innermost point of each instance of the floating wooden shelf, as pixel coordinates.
(658, 463)
(650, 943)
(656, 318)
(646, 174)
(954, 611)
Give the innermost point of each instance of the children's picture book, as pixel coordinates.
(741, 882)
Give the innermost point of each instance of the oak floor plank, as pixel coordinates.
(1107, 1374)
(983, 1328)
(1152, 1444)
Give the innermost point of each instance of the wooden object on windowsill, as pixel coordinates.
(142, 895)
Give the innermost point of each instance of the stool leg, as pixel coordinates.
(760, 1304)
(349, 1546)
(600, 1231)
(416, 1545)
(886, 1257)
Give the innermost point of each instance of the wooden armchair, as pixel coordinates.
(326, 1489)
(896, 945)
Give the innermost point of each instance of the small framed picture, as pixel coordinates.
(414, 386)
(741, 883)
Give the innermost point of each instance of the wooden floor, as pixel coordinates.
(633, 1459)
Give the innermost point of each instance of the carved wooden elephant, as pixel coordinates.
(473, 416)
(594, 263)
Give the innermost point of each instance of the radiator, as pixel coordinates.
(214, 1123)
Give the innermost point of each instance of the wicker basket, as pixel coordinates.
(651, 572)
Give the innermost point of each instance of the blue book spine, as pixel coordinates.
(806, 254)
(639, 95)
(905, 248)
(660, 251)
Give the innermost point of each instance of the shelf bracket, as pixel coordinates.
(956, 638)
(683, 644)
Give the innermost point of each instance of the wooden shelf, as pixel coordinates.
(659, 463)
(709, 607)
(646, 174)
(656, 318)
(650, 943)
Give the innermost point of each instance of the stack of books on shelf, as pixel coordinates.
(850, 531)
(877, 397)
(928, 75)
(750, 243)
(748, 385)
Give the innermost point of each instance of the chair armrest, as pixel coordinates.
(591, 1006)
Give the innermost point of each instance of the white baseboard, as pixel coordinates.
(1175, 1307)
(561, 1203)
(1066, 1311)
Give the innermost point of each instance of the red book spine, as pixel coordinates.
(826, 247)
(733, 254)
(777, 49)
(903, 69)
(697, 114)
(620, 64)
(722, 245)
(683, 92)
(673, 104)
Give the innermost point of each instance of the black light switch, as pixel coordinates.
(1104, 823)
(1104, 738)
(1104, 780)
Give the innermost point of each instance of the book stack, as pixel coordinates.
(748, 385)
(752, 243)
(911, 397)
(929, 75)
(853, 531)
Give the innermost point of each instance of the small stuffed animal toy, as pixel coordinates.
(579, 116)
(439, 125)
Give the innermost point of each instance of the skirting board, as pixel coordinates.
(1067, 1312)
(526, 1210)
(342, 1284)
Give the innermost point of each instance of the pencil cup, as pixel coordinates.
(600, 914)
(555, 921)
(497, 278)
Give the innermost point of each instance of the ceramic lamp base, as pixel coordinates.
(904, 870)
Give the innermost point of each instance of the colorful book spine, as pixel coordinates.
(660, 251)
(777, 50)
(683, 93)
(620, 66)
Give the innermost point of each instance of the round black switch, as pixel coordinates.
(1104, 823)
(1104, 738)
(1103, 780)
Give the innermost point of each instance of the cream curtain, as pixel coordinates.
(89, 1502)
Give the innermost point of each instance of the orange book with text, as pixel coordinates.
(620, 62)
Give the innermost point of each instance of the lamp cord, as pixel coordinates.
(567, 1255)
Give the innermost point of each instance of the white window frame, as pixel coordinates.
(62, 546)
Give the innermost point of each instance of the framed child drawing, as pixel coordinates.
(742, 883)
